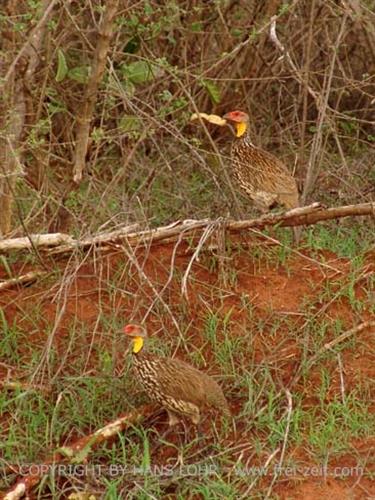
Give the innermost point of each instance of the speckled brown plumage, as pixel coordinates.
(177, 386)
(262, 177)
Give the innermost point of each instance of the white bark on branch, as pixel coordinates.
(21, 280)
(303, 216)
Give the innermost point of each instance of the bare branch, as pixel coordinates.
(35, 35)
(303, 216)
(21, 280)
(67, 454)
(321, 102)
(85, 116)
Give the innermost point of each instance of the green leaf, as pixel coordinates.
(79, 74)
(146, 459)
(139, 71)
(196, 27)
(129, 87)
(213, 90)
(130, 123)
(132, 45)
(62, 67)
(148, 10)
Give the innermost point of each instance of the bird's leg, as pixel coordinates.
(196, 419)
(200, 434)
(185, 431)
(297, 234)
(172, 419)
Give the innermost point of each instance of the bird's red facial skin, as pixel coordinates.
(236, 116)
(131, 329)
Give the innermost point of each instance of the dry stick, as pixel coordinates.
(321, 103)
(76, 449)
(323, 350)
(21, 280)
(133, 259)
(7, 213)
(300, 216)
(10, 165)
(283, 449)
(45, 354)
(206, 234)
(89, 100)
(29, 42)
(312, 169)
(305, 76)
(17, 104)
(339, 339)
(265, 466)
(329, 345)
(169, 279)
(61, 239)
(342, 381)
(248, 41)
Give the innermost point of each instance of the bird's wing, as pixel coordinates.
(181, 381)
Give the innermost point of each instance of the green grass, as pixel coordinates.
(346, 240)
(225, 334)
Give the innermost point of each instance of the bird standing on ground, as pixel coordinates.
(263, 177)
(180, 388)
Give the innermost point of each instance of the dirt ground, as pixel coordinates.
(273, 288)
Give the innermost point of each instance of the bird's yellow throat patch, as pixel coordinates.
(137, 344)
(240, 128)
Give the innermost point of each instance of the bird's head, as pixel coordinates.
(137, 333)
(238, 121)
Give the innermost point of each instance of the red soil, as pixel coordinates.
(274, 291)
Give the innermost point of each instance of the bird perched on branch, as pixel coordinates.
(180, 388)
(263, 177)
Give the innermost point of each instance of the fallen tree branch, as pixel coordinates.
(61, 239)
(39, 240)
(9, 385)
(22, 280)
(303, 216)
(77, 452)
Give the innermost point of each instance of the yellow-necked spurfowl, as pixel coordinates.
(261, 176)
(177, 386)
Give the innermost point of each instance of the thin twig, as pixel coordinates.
(341, 372)
(206, 234)
(329, 345)
(29, 42)
(283, 449)
(264, 467)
